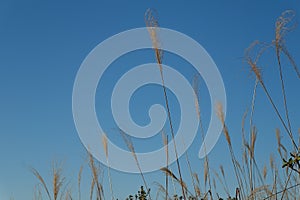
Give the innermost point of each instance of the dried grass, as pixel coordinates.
(152, 25)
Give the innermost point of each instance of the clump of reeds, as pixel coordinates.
(251, 180)
(281, 29)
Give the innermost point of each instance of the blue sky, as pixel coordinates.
(42, 45)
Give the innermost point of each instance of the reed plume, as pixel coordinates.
(104, 142)
(95, 175)
(220, 114)
(40, 178)
(130, 146)
(152, 25)
(58, 181)
(197, 107)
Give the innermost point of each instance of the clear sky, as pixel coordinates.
(42, 45)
